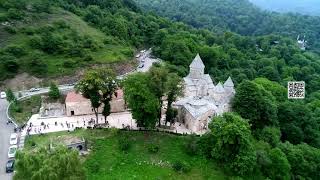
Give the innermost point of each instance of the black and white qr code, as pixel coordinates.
(296, 90)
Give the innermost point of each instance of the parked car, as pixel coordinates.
(10, 166)
(13, 139)
(3, 95)
(34, 89)
(12, 151)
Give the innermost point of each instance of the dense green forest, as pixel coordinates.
(238, 16)
(277, 133)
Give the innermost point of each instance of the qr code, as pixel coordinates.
(296, 90)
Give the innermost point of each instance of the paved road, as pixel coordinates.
(147, 61)
(5, 131)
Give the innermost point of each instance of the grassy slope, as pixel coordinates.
(106, 161)
(27, 106)
(109, 53)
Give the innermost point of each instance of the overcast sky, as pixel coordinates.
(303, 6)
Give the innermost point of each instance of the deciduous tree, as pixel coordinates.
(59, 163)
(233, 145)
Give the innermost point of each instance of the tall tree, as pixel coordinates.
(158, 78)
(253, 102)
(54, 92)
(10, 96)
(174, 88)
(141, 100)
(108, 89)
(233, 144)
(98, 85)
(59, 163)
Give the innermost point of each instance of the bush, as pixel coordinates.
(68, 64)
(29, 30)
(15, 14)
(88, 58)
(15, 50)
(181, 166)
(10, 29)
(124, 143)
(16, 107)
(153, 148)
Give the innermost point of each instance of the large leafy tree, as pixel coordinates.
(298, 124)
(141, 100)
(55, 164)
(54, 92)
(98, 85)
(253, 102)
(10, 96)
(233, 144)
(158, 77)
(304, 160)
(174, 89)
(108, 89)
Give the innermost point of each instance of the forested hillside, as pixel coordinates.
(238, 16)
(48, 38)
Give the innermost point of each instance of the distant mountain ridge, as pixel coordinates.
(309, 7)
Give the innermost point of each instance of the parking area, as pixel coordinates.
(5, 132)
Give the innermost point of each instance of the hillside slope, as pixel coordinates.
(53, 42)
(239, 16)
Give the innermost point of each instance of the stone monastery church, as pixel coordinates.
(202, 99)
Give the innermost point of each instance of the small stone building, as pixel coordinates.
(77, 105)
(202, 99)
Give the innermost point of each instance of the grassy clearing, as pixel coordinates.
(23, 110)
(107, 161)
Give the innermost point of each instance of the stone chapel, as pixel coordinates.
(202, 99)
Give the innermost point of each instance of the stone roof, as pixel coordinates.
(209, 81)
(197, 106)
(75, 97)
(197, 63)
(219, 88)
(228, 83)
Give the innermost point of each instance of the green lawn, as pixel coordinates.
(107, 161)
(24, 110)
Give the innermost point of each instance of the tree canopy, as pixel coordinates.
(59, 163)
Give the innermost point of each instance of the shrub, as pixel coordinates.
(11, 29)
(28, 30)
(15, 14)
(11, 66)
(68, 64)
(88, 58)
(16, 107)
(181, 166)
(15, 50)
(124, 143)
(36, 42)
(153, 148)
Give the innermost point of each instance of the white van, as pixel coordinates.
(3, 95)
